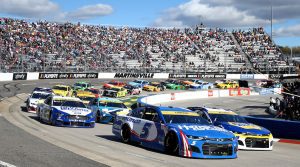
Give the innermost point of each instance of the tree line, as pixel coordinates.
(287, 50)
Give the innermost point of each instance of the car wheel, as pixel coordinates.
(98, 116)
(171, 144)
(126, 134)
(209, 87)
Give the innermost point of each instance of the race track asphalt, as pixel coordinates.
(99, 145)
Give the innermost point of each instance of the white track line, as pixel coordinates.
(276, 140)
(4, 164)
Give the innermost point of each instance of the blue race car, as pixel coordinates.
(250, 136)
(139, 83)
(176, 131)
(107, 108)
(202, 85)
(65, 111)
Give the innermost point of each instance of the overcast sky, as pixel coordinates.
(167, 13)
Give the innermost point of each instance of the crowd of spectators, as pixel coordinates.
(48, 46)
(260, 49)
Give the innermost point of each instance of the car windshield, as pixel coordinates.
(94, 91)
(227, 118)
(43, 89)
(128, 87)
(184, 117)
(115, 89)
(86, 98)
(80, 84)
(112, 104)
(60, 88)
(113, 83)
(154, 84)
(40, 96)
(70, 103)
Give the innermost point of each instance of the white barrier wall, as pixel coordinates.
(261, 76)
(32, 76)
(6, 76)
(161, 75)
(106, 75)
(233, 76)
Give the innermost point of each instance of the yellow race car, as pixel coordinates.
(152, 87)
(62, 90)
(115, 92)
(227, 85)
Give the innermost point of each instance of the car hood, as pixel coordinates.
(56, 91)
(208, 131)
(245, 128)
(73, 110)
(111, 91)
(33, 100)
(133, 83)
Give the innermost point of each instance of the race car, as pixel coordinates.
(139, 83)
(202, 85)
(62, 90)
(65, 111)
(176, 131)
(113, 84)
(81, 85)
(35, 98)
(250, 136)
(154, 87)
(107, 108)
(115, 92)
(227, 85)
(224, 81)
(133, 90)
(176, 86)
(89, 92)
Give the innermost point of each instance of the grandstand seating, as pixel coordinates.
(46, 46)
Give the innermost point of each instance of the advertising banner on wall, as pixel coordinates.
(204, 76)
(134, 75)
(67, 75)
(20, 76)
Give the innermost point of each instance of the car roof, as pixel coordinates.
(41, 92)
(82, 82)
(107, 99)
(55, 97)
(62, 86)
(219, 111)
(170, 108)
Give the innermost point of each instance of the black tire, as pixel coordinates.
(171, 144)
(98, 117)
(126, 134)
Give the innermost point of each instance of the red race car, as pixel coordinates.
(113, 84)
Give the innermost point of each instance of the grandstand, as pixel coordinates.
(45, 46)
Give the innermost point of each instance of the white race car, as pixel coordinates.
(35, 98)
(65, 111)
